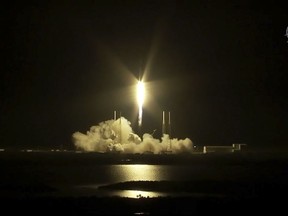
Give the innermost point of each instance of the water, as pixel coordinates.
(137, 172)
(85, 181)
(44, 174)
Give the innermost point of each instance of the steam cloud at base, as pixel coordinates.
(118, 136)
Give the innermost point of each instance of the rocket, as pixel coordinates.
(141, 71)
(166, 128)
(140, 75)
(163, 123)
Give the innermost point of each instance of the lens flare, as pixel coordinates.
(140, 100)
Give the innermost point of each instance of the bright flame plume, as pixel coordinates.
(140, 100)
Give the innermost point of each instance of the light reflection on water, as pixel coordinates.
(132, 172)
(151, 194)
(144, 172)
(92, 190)
(132, 193)
(85, 182)
(137, 172)
(108, 174)
(139, 194)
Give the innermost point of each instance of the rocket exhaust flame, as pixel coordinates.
(140, 100)
(116, 135)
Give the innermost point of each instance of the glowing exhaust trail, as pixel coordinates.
(140, 100)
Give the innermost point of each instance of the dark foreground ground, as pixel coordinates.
(261, 188)
(275, 205)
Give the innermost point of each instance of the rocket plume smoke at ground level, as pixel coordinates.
(117, 135)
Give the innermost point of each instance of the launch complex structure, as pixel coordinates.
(166, 127)
(167, 131)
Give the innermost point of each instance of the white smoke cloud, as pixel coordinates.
(117, 135)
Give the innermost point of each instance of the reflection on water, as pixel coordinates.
(88, 180)
(109, 174)
(137, 172)
(123, 173)
(92, 190)
(151, 194)
(139, 194)
(132, 172)
(144, 172)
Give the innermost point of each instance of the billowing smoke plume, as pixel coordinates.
(117, 135)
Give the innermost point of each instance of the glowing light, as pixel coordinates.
(140, 100)
(134, 172)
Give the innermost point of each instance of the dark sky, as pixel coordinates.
(218, 66)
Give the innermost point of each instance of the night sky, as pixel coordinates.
(218, 66)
